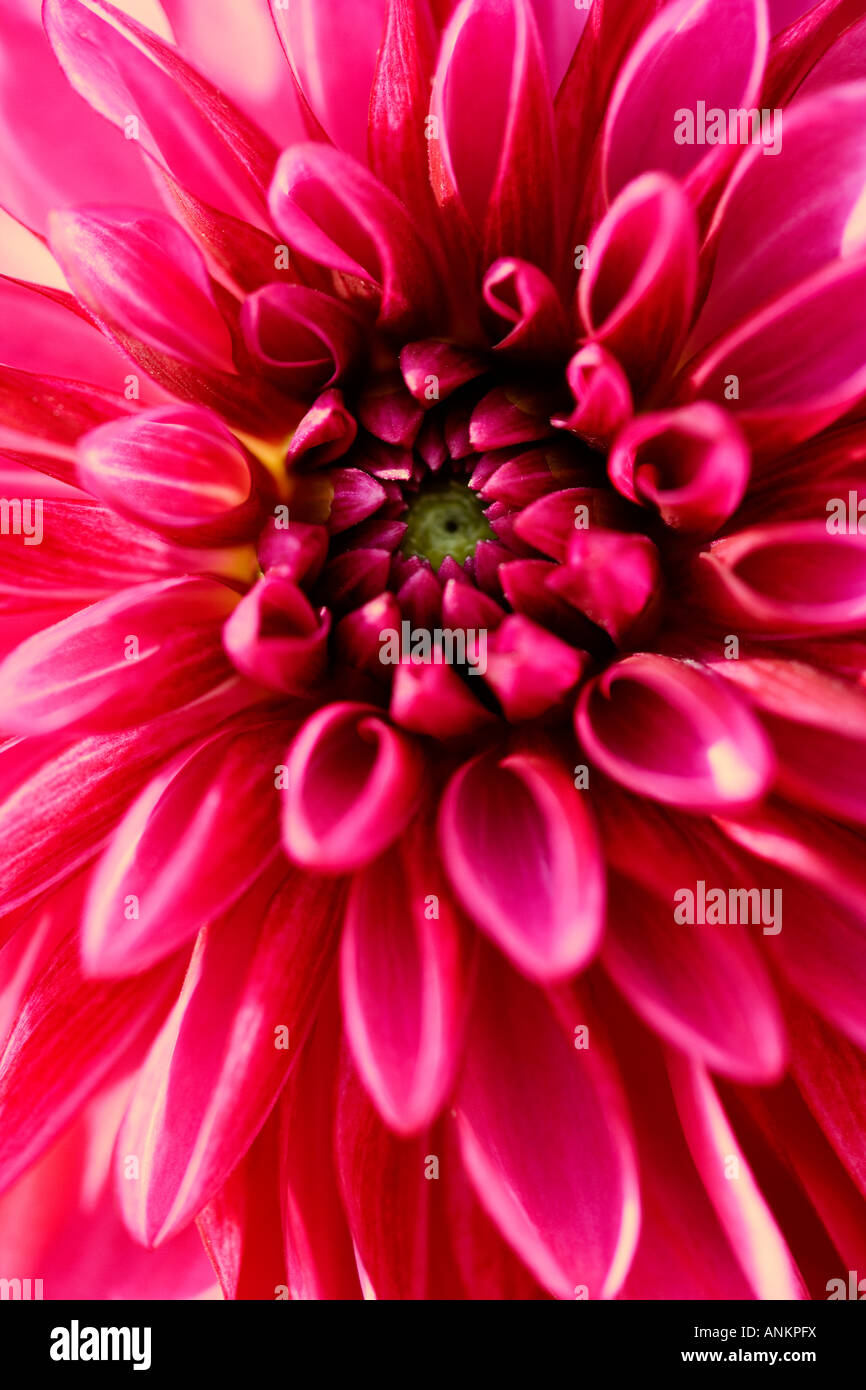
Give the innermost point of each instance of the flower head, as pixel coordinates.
(433, 687)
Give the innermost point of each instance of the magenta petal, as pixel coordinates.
(327, 431)
(529, 670)
(787, 578)
(301, 338)
(614, 579)
(144, 276)
(522, 854)
(433, 369)
(353, 782)
(433, 700)
(240, 1226)
(495, 156)
(61, 152)
(400, 100)
(403, 973)
(183, 122)
(175, 469)
(335, 212)
(740, 1205)
(216, 1069)
(795, 365)
(154, 888)
(137, 654)
(525, 304)
(561, 1183)
(332, 47)
(43, 1086)
(602, 396)
(818, 173)
(636, 294)
(276, 638)
(692, 51)
(669, 730)
(692, 465)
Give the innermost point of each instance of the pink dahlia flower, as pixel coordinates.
(434, 648)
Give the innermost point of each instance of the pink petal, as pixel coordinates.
(186, 849)
(84, 670)
(400, 100)
(403, 968)
(669, 730)
(818, 173)
(176, 470)
(692, 465)
(635, 296)
(560, 1184)
(353, 783)
(332, 211)
(786, 578)
(692, 51)
(215, 1070)
(529, 670)
(143, 275)
(53, 819)
(60, 152)
(515, 834)
(332, 46)
(433, 700)
(240, 1226)
(319, 1255)
(43, 1086)
(741, 1206)
(493, 158)
(301, 338)
(602, 396)
(796, 365)
(614, 579)
(276, 638)
(184, 123)
(527, 306)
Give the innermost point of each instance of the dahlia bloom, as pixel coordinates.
(433, 649)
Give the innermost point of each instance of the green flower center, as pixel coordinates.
(445, 519)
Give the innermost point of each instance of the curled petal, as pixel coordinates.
(432, 699)
(275, 637)
(353, 783)
(433, 369)
(529, 670)
(327, 431)
(669, 730)
(523, 300)
(602, 396)
(298, 550)
(692, 465)
(787, 578)
(635, 296)
(522, 854)
(335, 212)
(176, 470)
(614, 579)
(301, 338)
